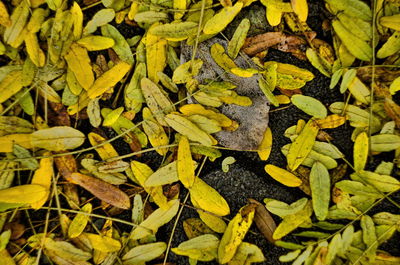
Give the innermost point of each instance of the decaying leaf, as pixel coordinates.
(234, 233)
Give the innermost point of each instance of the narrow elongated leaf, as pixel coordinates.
(23, 194)
(302, 145)
(80, 221)
(310, 105)
(43, 176)
(361, 151)
(156, 54)
(79, 62)
(175, 31)
(185, 163)
(220, 20)
(142, 172)
(359, 48)
(103, 243)
(234, 233)
(155, 220)
(144, 253)
(291, 222)
(58, 138)
(384, 142)
(108, 79)
(96, 43)
(102, 190)
(283, 176)
(238, 38)
(320, 183)
(207, 198)
(189, 129)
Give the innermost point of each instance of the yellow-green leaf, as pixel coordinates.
(43, 176)
(189, 129)
(302, 145)
(310, 105)
(175, 31)
(202, 248)
(80, 221)
(144, 253)
(320, 184)
(238, 38)
(220, 20)
(155, 220)
(361, 151)
(58, 138)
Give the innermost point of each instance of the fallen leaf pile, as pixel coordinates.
(73, 85)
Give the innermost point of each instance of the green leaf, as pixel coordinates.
(320, 189)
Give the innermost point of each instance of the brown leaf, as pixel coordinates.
(71, 192)
(290, 92)
(170, 191)
(338, 173)
(264, 221)
(17, 229)
(261, 42)
(324, 136)
(304, 174)
(102, 190)
(66, 165)
(392, 110)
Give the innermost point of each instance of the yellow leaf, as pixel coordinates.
(58, 138)
(192, 109)
(106, 150)
(185, 72)
(113, 116)
(156, 54)
(220, 20)
(205, 197)
(185, 163)
(79, 62)
(80, 221)
(265, 147)
(155, 220)
(275, 10)
(103, 243)
(214, 222)
(77, 18)
(96, 43)
(283, 176)
(282, 99)
(189, 129)
(176, 31)
(243, 72)
(7, 142)
(23, 194)
(302, 145)
(108, 79)
(10, 85)
(36, 54)
(154, 131)
(331, 121)
(4, 16)
(142, 172)
(42, 176)
(300, 7)
(361, 151)
(221, 58)
(234, 233)
(392, 22)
